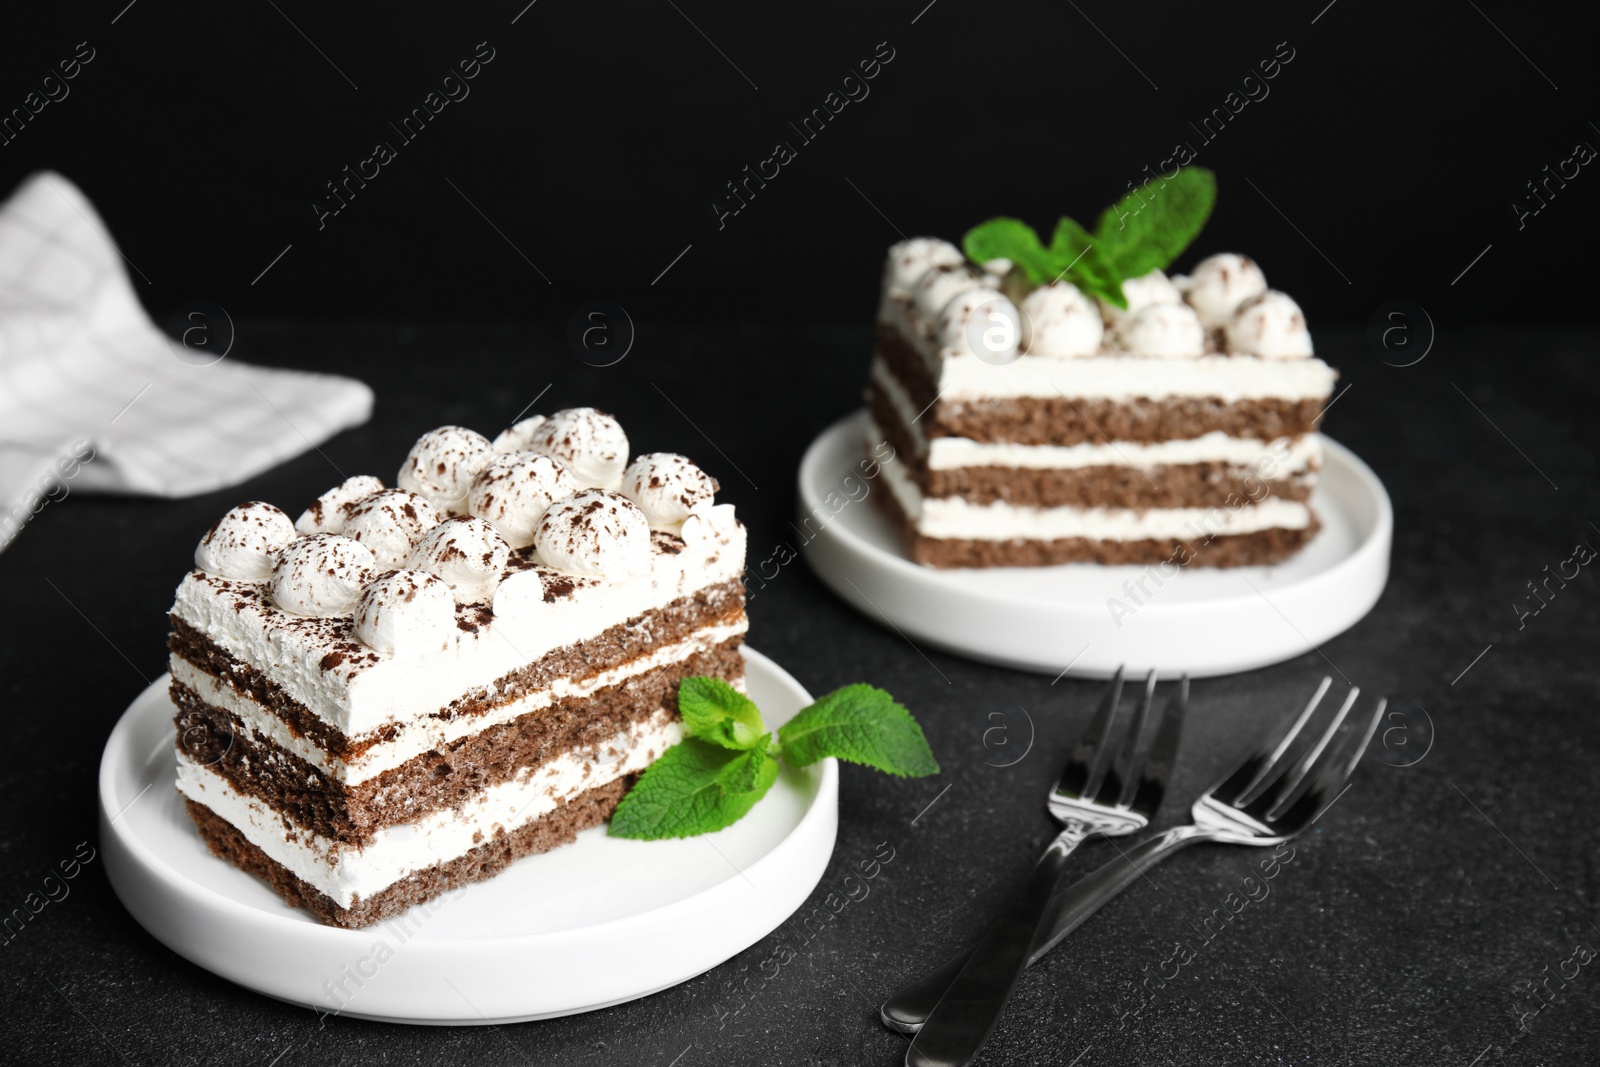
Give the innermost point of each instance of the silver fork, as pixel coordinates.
(1268, 799)
(1096, 794)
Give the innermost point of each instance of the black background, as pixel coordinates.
(1395, 141)
(596, 140)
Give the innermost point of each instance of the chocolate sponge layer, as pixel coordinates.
(620, 644)
(558, 827)
(1186, 485)
(1231, 550)
(440, 778)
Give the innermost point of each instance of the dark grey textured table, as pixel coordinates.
(1410, 927)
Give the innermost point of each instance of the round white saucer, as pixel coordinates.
(1205, 621)
(584, 926)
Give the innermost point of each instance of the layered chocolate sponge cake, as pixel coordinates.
(1035, 425)
(408, 688)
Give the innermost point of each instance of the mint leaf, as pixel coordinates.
(716, 712)
(1084, 264)
(861, 724)
(745, 773)
(1151, 226)
(682, 794)
(1011, 239)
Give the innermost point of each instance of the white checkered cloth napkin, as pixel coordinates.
(95, 398)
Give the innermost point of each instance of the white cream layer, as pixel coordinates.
(1115, 375)
(1278, 458)
(955, 518)
(1121, 377)
(414, 737)
(346, 873)
(404, 688)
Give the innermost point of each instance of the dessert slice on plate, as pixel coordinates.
(408, 688)
(1075, 404)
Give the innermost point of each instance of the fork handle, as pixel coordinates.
(972, 1004)
(1065, 911)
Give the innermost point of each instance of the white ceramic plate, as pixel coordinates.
(1205, 621)
(594, 923)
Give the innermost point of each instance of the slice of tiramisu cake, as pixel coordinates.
(1033, 423)
(409, 688)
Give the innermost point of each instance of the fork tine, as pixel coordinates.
(1257, 773)
(1163, 755)
(1338, 772)
(1366, 738)
(1123, 780)
(1331, 780)
(1087, 765)
(1303, 766)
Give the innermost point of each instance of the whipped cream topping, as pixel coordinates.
(1053, 328)
(940, 285)
(668, 488)
(1058, 320)
(998, 267)
(515, 490)
(442, 464)
(368, 691)
(983, 322)
(597, 532)
(1150, 289)
(1147, 290)
(601, 564)
(704, 531)
(1164, 331)
(1271, 326)
(389, 523)
(406, 612)
(327, 514)
(519, 438)
(589, 443)
(1219, 284)
(909, 260)
(320, 575)
(467, 553)
(244, 542)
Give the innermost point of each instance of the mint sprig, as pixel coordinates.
(1144, 231)
(728, 761)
